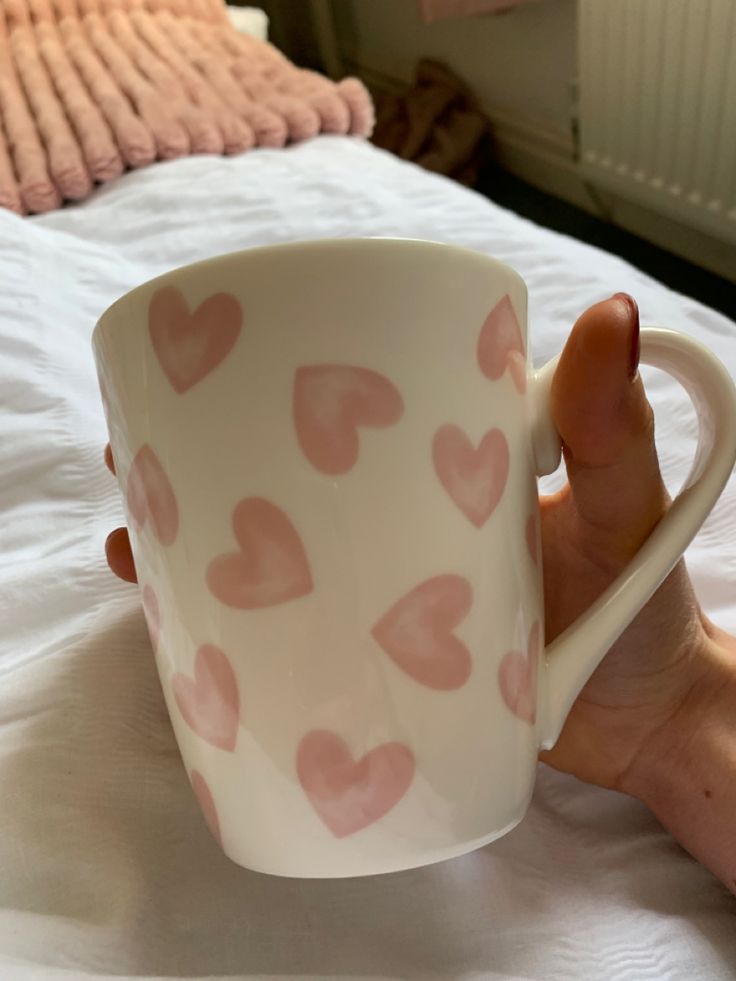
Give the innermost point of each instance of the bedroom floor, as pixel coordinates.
(544, 209)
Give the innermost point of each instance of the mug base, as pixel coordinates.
(356, 866)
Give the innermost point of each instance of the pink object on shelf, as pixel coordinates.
(440, 9)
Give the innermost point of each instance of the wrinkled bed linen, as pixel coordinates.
(106, 867)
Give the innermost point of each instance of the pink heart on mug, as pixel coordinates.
(517, 369)
(151, 496)
(271, 566)
(517, 678)
(417, 632)
(152, 613)
(206, 804)
(191, 345)
(209, 702)
(501, 346)
(474, 478)
(331, 402)
(348, 794)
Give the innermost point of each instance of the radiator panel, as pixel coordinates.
(658, 106)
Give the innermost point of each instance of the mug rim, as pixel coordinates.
(307, 245)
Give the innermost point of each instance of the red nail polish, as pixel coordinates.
(635, 348)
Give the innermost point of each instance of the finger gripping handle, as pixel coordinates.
(573, 656)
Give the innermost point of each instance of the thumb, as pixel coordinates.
(607, 429)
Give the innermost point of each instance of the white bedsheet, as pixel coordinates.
(106, 868)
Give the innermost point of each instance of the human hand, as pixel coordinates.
(655, 719)
(592, 529)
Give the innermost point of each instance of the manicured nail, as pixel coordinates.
(635, 347)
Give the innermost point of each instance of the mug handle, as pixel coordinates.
(574, 655)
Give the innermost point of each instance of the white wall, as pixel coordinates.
(519, 64)
(522, 66)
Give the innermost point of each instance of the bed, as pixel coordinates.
(106, 867)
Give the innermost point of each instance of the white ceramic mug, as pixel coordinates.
(329, 455)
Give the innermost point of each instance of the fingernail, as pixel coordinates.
(635, 347)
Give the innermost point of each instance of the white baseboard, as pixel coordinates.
(546, 158)
(548, 162)
(541, 156)
(692, 244)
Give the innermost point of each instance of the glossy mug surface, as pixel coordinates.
(328, 453)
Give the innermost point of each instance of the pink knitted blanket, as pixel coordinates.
(89, 88)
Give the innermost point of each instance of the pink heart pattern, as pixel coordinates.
(191, 345)
(331, 402)
(347, 794)
(151, 496)
(517, 678)
(474, 478)
(152, 613)
(271, 566)
(417, 632)
(209, 702)
(501, 346)
(517, 369)
(207, 804)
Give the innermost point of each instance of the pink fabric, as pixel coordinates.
(90, 87)
(439, 9)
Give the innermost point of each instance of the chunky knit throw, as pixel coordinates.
(89, 88)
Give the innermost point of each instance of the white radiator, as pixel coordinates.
(658, 106)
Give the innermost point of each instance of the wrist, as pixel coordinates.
(686, 774)
(707, 701)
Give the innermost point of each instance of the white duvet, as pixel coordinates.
(106, 868)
